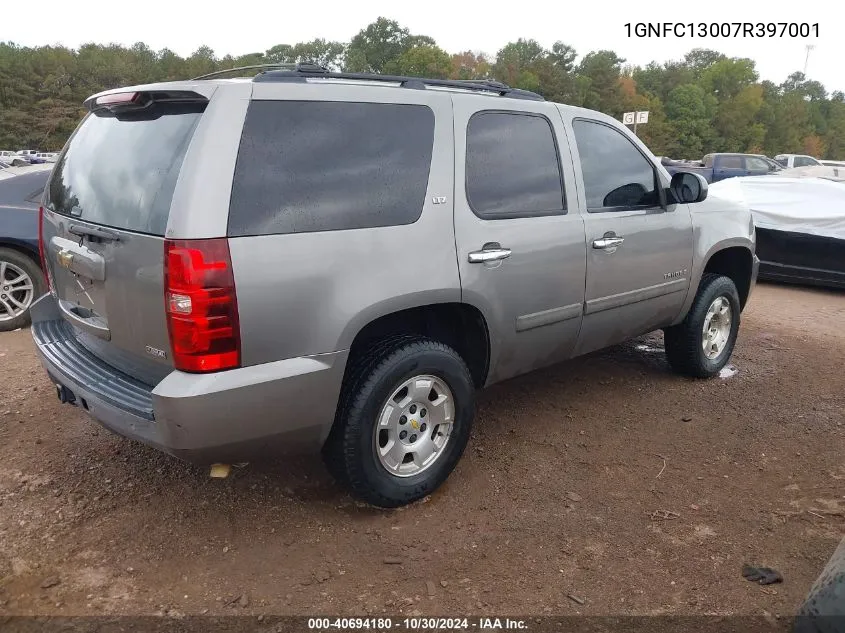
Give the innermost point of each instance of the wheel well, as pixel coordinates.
(735, 262)
(23, 250)
(459, 325)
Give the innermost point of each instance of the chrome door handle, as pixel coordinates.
(490, 253)
(608, 242)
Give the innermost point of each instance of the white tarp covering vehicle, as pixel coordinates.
(800, 223)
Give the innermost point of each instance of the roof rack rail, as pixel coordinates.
(302, 72)
(305, 67)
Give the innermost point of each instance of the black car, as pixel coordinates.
(21, 279)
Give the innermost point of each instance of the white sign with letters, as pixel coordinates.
(635, 118)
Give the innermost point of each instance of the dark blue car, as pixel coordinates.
(21, 280)
(716, 167)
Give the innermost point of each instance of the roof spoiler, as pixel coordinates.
(140, 99)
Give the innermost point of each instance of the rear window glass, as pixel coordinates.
(307, 166)
(120, 171)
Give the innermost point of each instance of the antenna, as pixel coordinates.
(809, 47)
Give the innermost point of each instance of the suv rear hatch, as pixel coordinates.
(105, 214)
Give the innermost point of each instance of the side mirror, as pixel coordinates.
(687, 187)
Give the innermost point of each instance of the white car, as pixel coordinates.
(49, 157)
(13, 159)
(796, 160)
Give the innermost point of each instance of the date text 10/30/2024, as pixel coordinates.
(722, 29)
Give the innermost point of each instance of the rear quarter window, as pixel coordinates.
(306, 166)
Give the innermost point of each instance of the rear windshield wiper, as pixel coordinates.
(92, 231)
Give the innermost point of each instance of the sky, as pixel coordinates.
(255, 25)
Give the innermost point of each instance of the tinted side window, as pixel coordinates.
(307, 166)
(730, 162)
(755, 164)
(512, 167)
(803, 161)
(616, 175)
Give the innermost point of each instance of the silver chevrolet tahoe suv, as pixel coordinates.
(305, 260)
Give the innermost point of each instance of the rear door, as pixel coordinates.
(520, 238)
(639, 249)
(107, 208)
(728, 166)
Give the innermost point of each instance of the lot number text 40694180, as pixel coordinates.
(722, 29)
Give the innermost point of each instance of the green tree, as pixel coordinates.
(201, 62)
(690, 111)
(736, 120)
(603, 69)
(661, 79)
(726, 77)
(378, 44)
(332, 55)
(515, 64)
(469, 65)
(790, 125)
(422, 61)
(700, 59)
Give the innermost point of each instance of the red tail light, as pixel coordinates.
(42, 253)
(201, 305)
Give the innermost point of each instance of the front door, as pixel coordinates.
(520, 249)
(639, 249)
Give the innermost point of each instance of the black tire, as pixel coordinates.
(28, 265)
(349, 451)
(684, 342)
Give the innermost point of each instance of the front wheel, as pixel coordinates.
(701, 345)
(403, 421)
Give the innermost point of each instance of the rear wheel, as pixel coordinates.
(403, 421)
(21, 283)
(701, 345)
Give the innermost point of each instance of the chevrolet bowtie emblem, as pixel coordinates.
(415, 425)
(65, 258)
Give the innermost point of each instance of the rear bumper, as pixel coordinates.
(286, 406)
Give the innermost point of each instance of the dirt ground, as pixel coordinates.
(607, 478)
